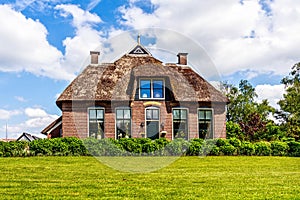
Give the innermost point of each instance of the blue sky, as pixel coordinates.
(46, 43)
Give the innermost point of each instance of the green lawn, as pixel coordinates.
(186, 178)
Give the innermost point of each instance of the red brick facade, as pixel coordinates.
(75, 118)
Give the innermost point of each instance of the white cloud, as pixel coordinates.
(20, 99)
(273, 93)
(35, 112)
(236, 36)
(36, 119)
(7, 114)
(24, 46)
(86, 39)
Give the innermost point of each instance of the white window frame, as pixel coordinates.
(151, 88)
(88, 119)
(122, 108)
(212, 120)
(188, 119)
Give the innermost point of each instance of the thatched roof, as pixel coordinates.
(118, 81)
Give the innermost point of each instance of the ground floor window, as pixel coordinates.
(180, 123)
(96, 123)
(205, 123)
(152, 123)
(123, 123)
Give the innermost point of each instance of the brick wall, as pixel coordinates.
(75, 118)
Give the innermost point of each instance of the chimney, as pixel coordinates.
(94, 57)
(182, 58)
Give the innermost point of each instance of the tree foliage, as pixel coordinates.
(290, 104)
(243, 110)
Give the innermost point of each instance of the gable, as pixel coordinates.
(139, 50)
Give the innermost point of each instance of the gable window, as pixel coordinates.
(123, 123)
(180, 123)
(205, 123)
(96, 123)
(152, 89)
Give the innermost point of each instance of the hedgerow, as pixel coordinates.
(71, 146)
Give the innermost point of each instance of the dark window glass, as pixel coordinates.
(205, 124)
(96, 123)
(123, 123)
(152, 123)
(180, 123)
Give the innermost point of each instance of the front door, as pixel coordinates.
(152, 123)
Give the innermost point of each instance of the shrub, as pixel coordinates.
(294, 148)
(228, 149)
(195, 147)
(233, 130)
(279, 148)
(247, 148)
(263, 148)
(177, 147)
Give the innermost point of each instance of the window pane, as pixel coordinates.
(208, 114)
(145, 93)
(183, 114)
(201, 114)
(158, 93)
(92, 114)
(148, 114)
(145, 84)
(127, 114)
(176, 114)
(119, 114)
(155, 114)
(158, 84)
(100, 114)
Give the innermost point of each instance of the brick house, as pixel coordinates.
(140, 96)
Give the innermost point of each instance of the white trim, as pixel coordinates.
(54, 127)
(188, 119)
(145, 128)
(151, 89)
(212, 119)
(116, 119)
(88, 119)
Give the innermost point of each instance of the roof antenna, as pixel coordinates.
(139, 39)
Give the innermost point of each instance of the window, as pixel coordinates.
(152, 123)
(152, 89)
(205, 125)
(123, 123)
(180, 123)
(96, 123)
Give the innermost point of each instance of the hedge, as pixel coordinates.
(72, 146)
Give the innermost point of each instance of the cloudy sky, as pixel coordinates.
(44, 44)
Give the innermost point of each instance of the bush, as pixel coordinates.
(263, 148)
(195, 147)
(233, 130)
(177, 147)
(247, 148)
(279, 148)
(228, 149)
(294, 148)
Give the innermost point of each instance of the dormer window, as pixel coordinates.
(152, 88)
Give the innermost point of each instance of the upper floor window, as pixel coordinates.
(152, 89)
(96, 123)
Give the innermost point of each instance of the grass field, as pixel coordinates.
(186, 178)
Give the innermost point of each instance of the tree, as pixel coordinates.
(243, 110)
(290, 104)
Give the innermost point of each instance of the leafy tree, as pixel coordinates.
(243, 110)
(290, 104)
